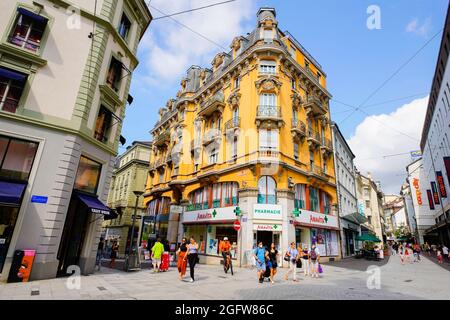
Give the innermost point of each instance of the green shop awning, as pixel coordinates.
(367, 237)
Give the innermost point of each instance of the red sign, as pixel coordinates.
(441, 184)
(237, 225)
(418, 193)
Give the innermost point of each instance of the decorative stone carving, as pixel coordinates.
(233, 99)
(268, 83)
(296, 100)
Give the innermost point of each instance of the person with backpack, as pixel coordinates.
(291, 256)
(314, 257)
(260, 257)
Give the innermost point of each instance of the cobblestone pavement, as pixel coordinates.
(342, 280)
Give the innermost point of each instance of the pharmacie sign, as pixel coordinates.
(267, 227)
(267, 211)
(316, 219)
(208, 215)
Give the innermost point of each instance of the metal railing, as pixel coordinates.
(316, 170)
(264, 111)
(233, 123)
(298, 124)
(314, 135)
(162, 138)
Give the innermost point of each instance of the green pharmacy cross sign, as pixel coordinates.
(275, 226)
(326, 219)
(237, 211)
(214, 213)
(296, 212)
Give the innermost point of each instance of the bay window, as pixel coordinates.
(11, 87)
(267, 190)
(28, 30)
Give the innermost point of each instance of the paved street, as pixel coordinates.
(341, 280)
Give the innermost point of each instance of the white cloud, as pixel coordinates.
(168, 49)
(373, 140)
(415, 27)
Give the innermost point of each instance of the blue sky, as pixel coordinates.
(356, 60)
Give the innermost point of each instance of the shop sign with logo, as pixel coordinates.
(267, 227)
(267, 211)
(441, 184)
(317, 219)
(208, 215)
(418, 193)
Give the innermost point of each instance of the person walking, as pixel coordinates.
(292, 254)
(445, 251)
(393, 251)
(305, 257)
(182, 256)
(439, 254)
(427, 248)
(260, 256)
(401, 253)
(192, 254)
(157, 251)
(114, 250)
(416, 251)
(273, 261)
(100, 250)
(314, 259)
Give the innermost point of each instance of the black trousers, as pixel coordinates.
(192, 259)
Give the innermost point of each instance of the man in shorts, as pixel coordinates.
(157, 251)
(260, 257)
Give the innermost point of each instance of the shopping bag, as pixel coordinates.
(319, 268)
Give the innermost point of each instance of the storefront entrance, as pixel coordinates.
(269, 237)
(73, 236)
(349, 242)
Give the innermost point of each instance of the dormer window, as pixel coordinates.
(28, 30)
(268, 35)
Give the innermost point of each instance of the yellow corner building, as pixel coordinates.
(247, 140)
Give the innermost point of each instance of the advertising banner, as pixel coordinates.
(430, 199)
(435, 192)
(447, 167)
(441, 184)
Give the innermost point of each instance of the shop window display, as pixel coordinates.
(326, 241)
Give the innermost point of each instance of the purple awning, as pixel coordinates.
(32, 15)
(13, 75)
(94, 205)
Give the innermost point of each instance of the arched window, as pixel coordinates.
(300, 196)
(267, 190)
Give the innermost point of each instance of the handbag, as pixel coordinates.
(299, 263)
(319, 268)
(286, 257)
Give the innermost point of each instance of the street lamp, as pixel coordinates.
(133, 255)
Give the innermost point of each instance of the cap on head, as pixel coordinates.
(225, 239)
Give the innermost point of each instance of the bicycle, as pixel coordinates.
(228, 264)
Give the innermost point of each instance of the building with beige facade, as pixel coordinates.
(130, 175)
(370, 203)
(65, 73)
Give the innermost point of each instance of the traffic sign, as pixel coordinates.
(237, 225)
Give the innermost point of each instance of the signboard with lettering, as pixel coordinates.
(316, 219)
(267, 227)
(210, 215)
(267, 211)
(447, 167)
(441, 184)
(39, 199)
(418, 193)
(435, 192)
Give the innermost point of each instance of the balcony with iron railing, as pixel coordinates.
(315, 106)
(317, 172)
(162, 139)
(327, 144)
(233, 123)
(298, 129)
(268, 113)
(214, 103)
(212, 135)
(314, 138)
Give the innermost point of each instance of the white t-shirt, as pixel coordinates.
(445, 250)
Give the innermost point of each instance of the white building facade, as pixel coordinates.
(435, 146)
(350, 218)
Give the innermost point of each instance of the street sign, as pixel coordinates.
(237, 225)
